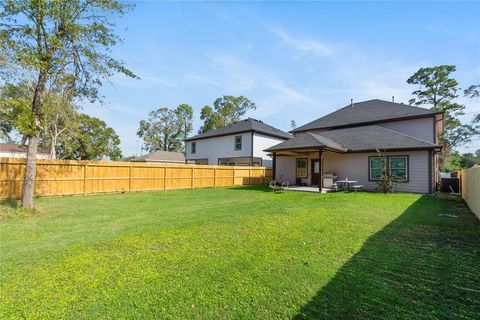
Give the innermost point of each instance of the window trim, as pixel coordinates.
(235, 143)
(296, 168)
(192, 149)
(406, 156)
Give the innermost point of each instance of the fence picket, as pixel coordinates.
(69, 177)
(470, 179)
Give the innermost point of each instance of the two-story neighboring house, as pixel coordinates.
(358, 141)
(240, 143)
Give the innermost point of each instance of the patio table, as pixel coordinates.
(347, 183)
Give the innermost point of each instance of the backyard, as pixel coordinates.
(240, 252)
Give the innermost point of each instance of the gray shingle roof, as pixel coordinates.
(247, 125)
(161, 156)
(366, 112)
(364, 138)
(306, 140)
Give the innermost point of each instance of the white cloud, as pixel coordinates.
(266, 88)
(145, 80)
(203, 79)
(310, 46)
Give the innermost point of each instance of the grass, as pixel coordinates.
(241, 253)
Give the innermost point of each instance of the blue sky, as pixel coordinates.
(294, 60)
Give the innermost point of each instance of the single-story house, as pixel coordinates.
(238, 144)
(11, 150)
(354, 142)
(162, 157)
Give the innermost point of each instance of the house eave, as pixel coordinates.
(236, 133)
(314, 149)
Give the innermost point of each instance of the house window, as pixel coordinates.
(238, 143)
(376, 167)
(397, 166)
(194, 148)
(302, 168)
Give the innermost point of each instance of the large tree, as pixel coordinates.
(59, 114)
(438, 90)
(226, 110)
(457, 161)
(57, 43)
(473, 92)
(15, 115)
(161, 131)
(184, 114)
(61, 121)
(91, 140)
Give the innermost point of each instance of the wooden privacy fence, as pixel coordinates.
(471, 189)
(66, 177)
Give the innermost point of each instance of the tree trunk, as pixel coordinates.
(53, 146)
(53, 149)
(31, 168)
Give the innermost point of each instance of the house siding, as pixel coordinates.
(286, 167)
(220, 147)
(262, 142)
(422, 128)
(354, 166)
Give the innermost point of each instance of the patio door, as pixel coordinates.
(315, 172)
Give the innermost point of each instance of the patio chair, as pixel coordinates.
(453, 193)
(284, 185)
(273, 185)
(357, 187)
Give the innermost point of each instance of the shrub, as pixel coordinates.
(386, 181)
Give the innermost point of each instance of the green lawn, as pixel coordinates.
(241, 253)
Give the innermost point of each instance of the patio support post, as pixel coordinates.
(320, 163)
(274, 165)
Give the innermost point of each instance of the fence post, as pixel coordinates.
(85, 179)
(193, 177)
(214, 177)
(164, 178)
(234, 172)
(129, 179)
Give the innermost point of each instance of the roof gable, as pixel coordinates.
(247, 125)
(365, 112)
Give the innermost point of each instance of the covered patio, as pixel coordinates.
(306, 154)
(352, 158)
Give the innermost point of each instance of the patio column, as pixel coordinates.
(320, 164)
(274, 165)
